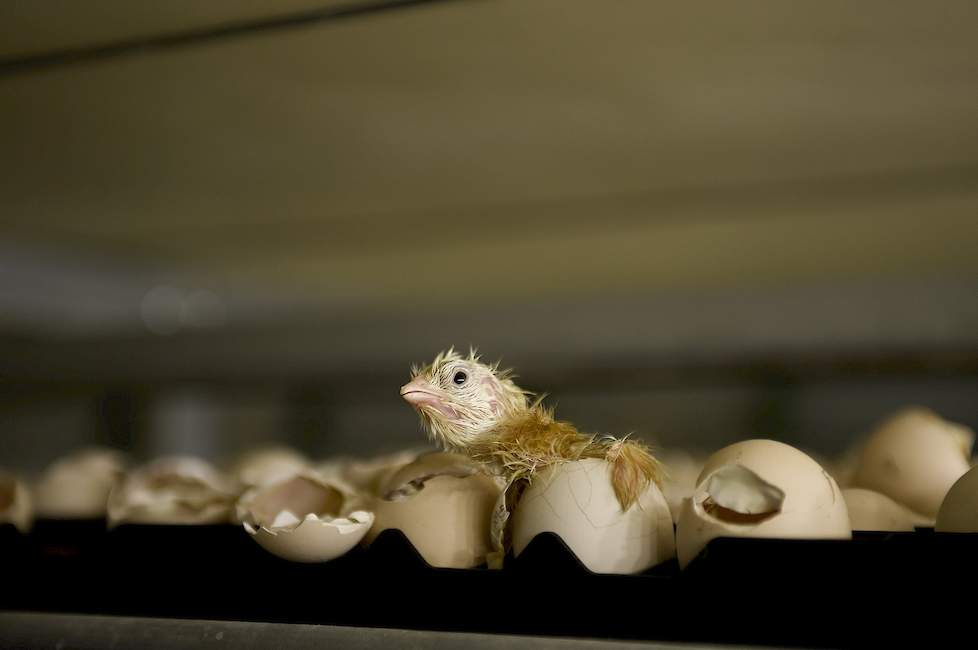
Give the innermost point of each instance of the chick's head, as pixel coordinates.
(460, 399)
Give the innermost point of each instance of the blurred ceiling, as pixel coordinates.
(481, 155)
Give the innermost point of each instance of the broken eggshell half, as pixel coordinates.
(914, 457)
(443, 505)
(959, 511)
(366, 475)
(304, 518)
(174, 490)
(576, 501)
(873, 511)
(268, 465)
(761, 488)
(15, 503)
(77, 486)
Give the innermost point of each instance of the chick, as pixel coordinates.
(476, 409)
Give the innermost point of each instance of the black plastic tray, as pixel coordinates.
(876, 588)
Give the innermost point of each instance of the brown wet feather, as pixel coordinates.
(533, 439)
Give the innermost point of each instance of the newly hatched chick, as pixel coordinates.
(477, 410)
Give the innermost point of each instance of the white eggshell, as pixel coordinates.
(869, 510)
(761, 488)
(959, 511)
(914, 458)
(77, 486)
(682, 470)
(176, 490)
(843, 467)
(268, 465)
(366, 475)
(447, 521)
(576, 501)
(303, 519)
(410, 478)
(315, 539)
(15, 503)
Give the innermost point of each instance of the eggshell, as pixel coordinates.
(761, 488)
(268, 465)
(682, 470)
(842, 467)
(410, 478)
(303, 519)
(576, 501)
(77, 486)
(959, 511)
(176, 490)
(447, 520)
(914, 458)
(869, 510)
(15, 503)
(366, 475)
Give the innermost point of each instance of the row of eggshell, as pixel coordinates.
(294, 508)
(901, 477)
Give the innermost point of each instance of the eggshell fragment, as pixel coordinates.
(268, 465)
(303, 519)
(77, 486)
(872, 511)
(959, 511)
(576, 501)
(15, 503)
(366, 475)
(760, 488)
(177, 490)
(447, 520)
(408, 479)
(914, 458)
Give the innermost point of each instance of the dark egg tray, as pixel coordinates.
(875, 588)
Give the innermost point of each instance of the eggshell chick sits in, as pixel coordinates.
(576, 501)
(303, 519)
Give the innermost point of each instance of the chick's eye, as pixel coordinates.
(460, 377)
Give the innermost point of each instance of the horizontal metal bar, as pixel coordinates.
(35, 630)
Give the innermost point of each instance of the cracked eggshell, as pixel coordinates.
(682, 470)
(447, 520)
(15, 503)
(77, 486)
(761, 488)
(576, 501)
(872, 511)
(174, 490)
(304, 518)
(367, 475)
(410, 478)
(959, 511)
(914, 458)
(268, 465)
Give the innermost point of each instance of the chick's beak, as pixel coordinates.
(419, 393)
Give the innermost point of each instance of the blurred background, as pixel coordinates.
(229, 224)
